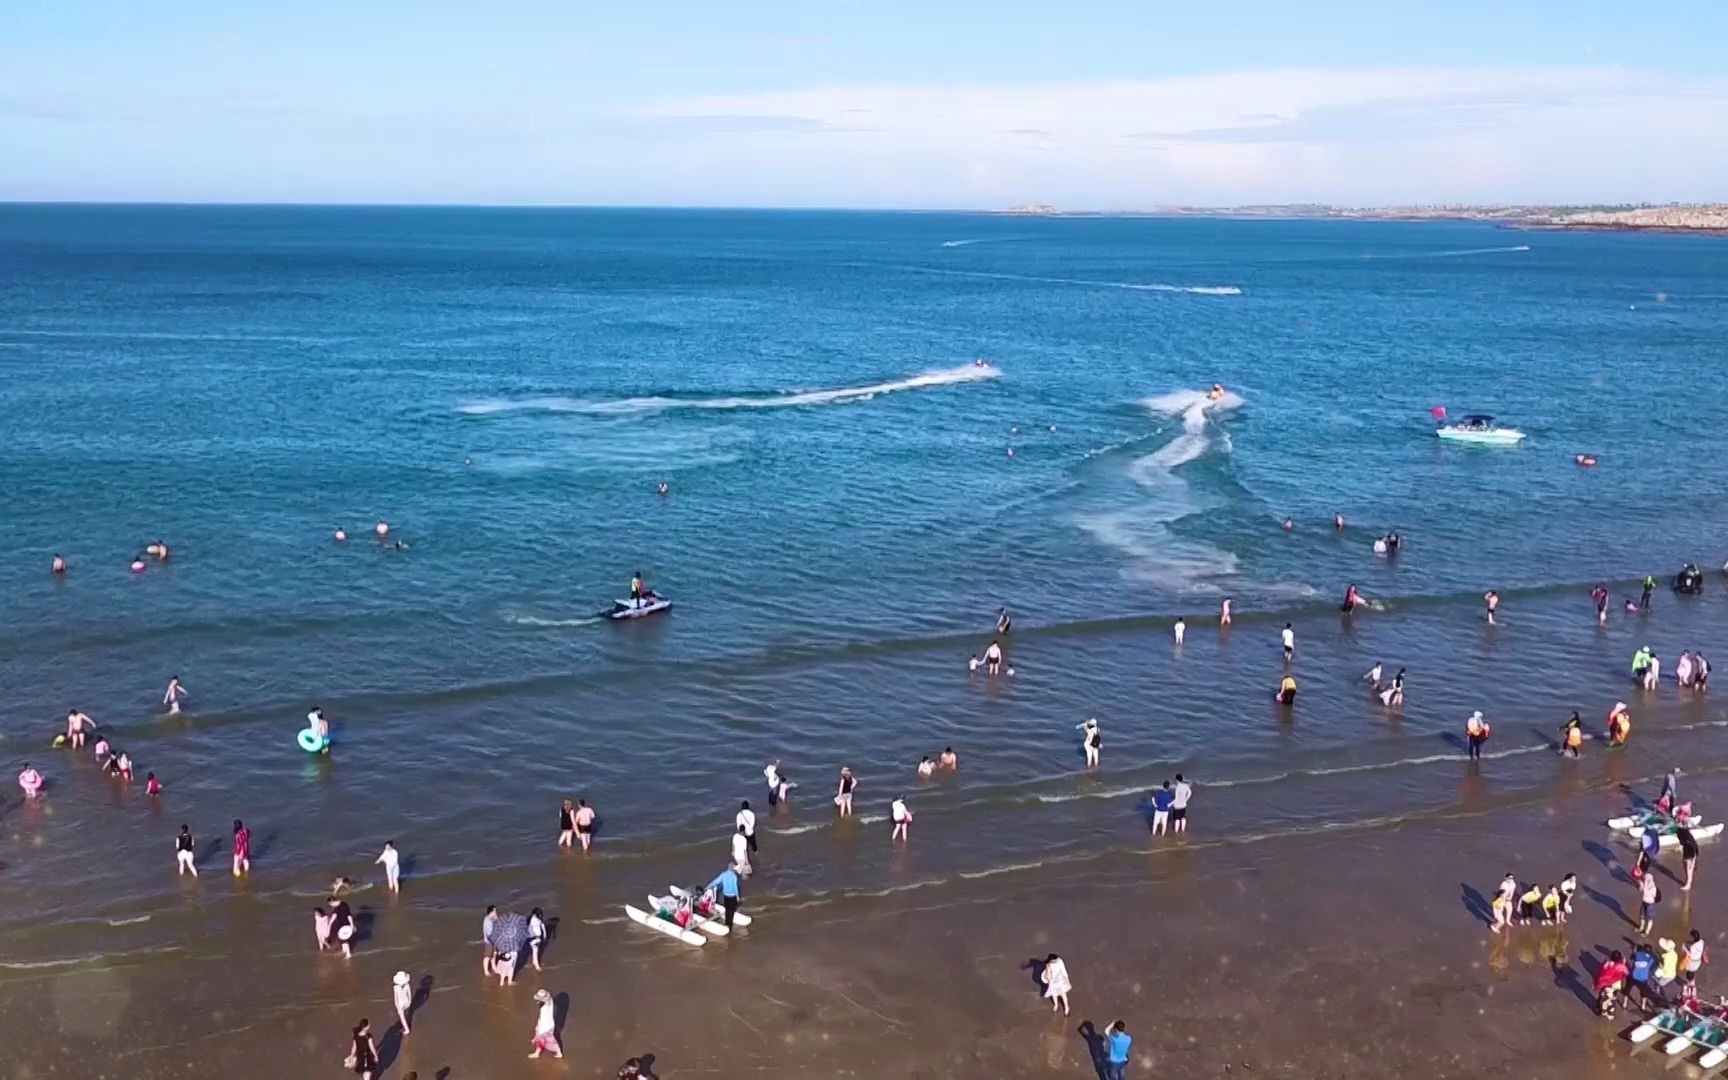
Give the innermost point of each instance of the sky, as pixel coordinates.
(959, 104)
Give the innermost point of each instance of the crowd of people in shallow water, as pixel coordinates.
(509, 938)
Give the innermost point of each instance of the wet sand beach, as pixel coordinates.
(1345, 953)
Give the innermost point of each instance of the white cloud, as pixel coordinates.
(1433, 134)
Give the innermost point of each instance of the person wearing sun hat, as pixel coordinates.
(403, 995)
(546, 1027)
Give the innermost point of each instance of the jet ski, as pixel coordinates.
(652, 604)
(1689, 580)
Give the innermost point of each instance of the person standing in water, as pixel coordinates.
(741, 852)
(171, 697)
(382, 530)
(362, 1058)
(1224, 612)
(1182, 792)
(1090, 741)
(1572, 735)
(545, 1026)
(566, 824)
(1337, 522)
(726, 886)
(1600, 596)
(1644, 597)
(1688, 854)
(843, 797)
(1004, 622)
(1289, 636)
(584, 824)
(746, 822)
(926, 767)
(949, 759)
(1475, 733)
(242, 848)
(1162, 800)
(1056, 983)
(993, 659)
(184, 848)
(1179, 630)
(59, 564)
(392, 866)
(1286, 693)
(901, 816)
(1491, 602)
(76, 723)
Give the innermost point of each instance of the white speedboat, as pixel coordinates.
(1479, 429)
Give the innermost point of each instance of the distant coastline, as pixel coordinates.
(1705, 218)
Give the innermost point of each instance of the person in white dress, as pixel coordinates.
(741, 852)
(1056, 984)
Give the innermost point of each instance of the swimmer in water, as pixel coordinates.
(1010, 451)
(1216, 392)
(1352, 599)
(320, 726)
(399, 546)
(926, 767)
(381, 530)
(1224, 611)
(1337, 522)
(1373, 676)
(76, 723)
(152, 786)
(1004, 622)
(30, 781)
(663, 488)
(59, 564)
(138, 565)
(993, 659)
(161, 551)
(1393, 696)
(100, 750)
(949, 759)
(1289, 524)
(340, 534)
(171, 697)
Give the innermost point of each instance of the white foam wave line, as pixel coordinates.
(127, 922)
(946, 377)
(1011, 868)
(530, 620)
(1135, 286)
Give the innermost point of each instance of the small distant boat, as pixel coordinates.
(1479, 429)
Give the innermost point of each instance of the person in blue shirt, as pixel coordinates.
(1162, 800)
(1118, 1038)
(727, 886)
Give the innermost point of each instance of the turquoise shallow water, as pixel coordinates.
(507, 388)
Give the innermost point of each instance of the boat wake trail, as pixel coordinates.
(790, 399)
(979, 240)
(1143, 530)
(1453, 254)
(1135, 286)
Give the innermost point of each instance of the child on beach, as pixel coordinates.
(536, 935)
(1056, 984)
(321, 927)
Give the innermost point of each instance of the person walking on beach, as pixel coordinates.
(1056, 984)
(566, 824)
(746, 821)
(1091, 742)
(1224, 612)
(1649, 893)
(1162, 800)
(901, 816)
(171, 697)
(545, 1026)
(242, 849)
(362, 1058)
(741, 852)
(402, 996)
(1118, 1043)
(584, 824)
(726, 886)
(1181, 793)
(1491, 601)
(1289, 643)
(1476, 733)
(184, 846)
(843, 797)
(392, 866)
(1179, 630)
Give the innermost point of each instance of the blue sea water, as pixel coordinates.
(507, 387)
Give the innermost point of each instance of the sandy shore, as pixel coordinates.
(1345, 953)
